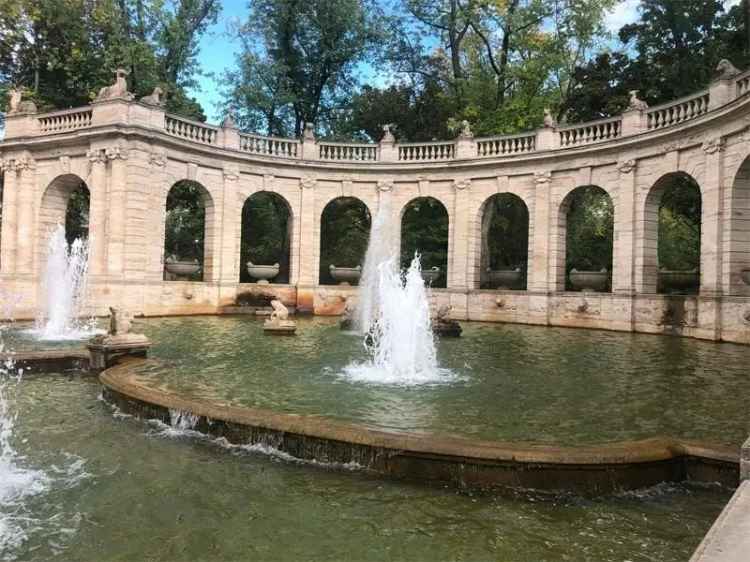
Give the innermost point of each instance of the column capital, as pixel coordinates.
(713, 145)
(627, 166)
(542, 178)
(385, 185)
(461, 185)
(308, 182)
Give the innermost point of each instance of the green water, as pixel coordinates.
(510, 383)
(123, 490)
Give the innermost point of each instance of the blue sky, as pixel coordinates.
(218, 48)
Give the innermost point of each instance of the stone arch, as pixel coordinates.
(188, 229)
(431, 237)
(737, 234)
(503, 232)
(266, 230)
(587, 243)
(65, 196)
(653, 247)
(344, 232)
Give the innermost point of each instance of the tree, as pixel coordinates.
(297, 61)
(62, 51)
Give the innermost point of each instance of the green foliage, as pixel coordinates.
(265, 239)
(77, 214)
(507, 236)
(590, 228)
(63, 51)
(185, 231)
(424, 230)
(344, 233)
(297, 61)
(679, 223)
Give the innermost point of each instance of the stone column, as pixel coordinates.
(24, 168)
(458, 261)
(306, 274)
(712, 195)
(538, 274)
(624, 236)
(9, 225)
(98, 212)
(228, 253)
(116, 156)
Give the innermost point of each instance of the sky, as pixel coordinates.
(218, 48)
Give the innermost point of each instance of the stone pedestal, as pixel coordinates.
(279, 327)
(106, 351)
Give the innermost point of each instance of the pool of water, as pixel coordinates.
(507, 382)
(119, 489)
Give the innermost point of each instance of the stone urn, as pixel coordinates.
(745, 276)
(504, 278)
(263, 273)
(430, 275)
(589, 280)
(182, 268)
(345, 275)
(678, 281)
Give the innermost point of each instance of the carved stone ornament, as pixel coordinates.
(635, 103)
(725, 70)
(4, 165)
(24, 163)
(229, 122)
(231, 175)
(460, 185)
(308, 182)
(712, 146)
(542, 178)
(746, 316)
(16, 104)
(627, 166)
(118, 90)
(549, 121)
(64, 164)
(308, 135)
(465, 131)
(388, 137)
(385, 185)
(157, 159)
(116, 153)
(670, 147)
(96, 155)
(156, 98)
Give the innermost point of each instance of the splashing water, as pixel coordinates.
(16, 482)
(394, 316)
(64, 291)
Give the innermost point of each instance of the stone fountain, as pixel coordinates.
(106, 349)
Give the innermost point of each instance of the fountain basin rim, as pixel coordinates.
(609, 466)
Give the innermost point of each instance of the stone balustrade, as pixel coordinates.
(567, 136)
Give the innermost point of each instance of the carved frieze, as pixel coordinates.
(96, 155)
(24, 163)
(712, 146)
(385, 185)
(116, 153)
(627, 166)
(542, 178)
(460, 185)
(157, 160)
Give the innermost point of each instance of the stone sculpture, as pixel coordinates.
(120, 321)
(347, 318)
(726, 70)
(117, 90)
(156, 98)
(635, 103)
(445, 326)
(278, 323)
(549, 121)
(17, 105)
(107, 349)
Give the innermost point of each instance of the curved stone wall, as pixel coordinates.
(458, 462)
(130, 154)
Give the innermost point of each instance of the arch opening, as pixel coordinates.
(505, 242)
(587, 216)
(674, 204)
(344, 233)
(186, 256)
(424, 230)
(265, 240)
(736, 261)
